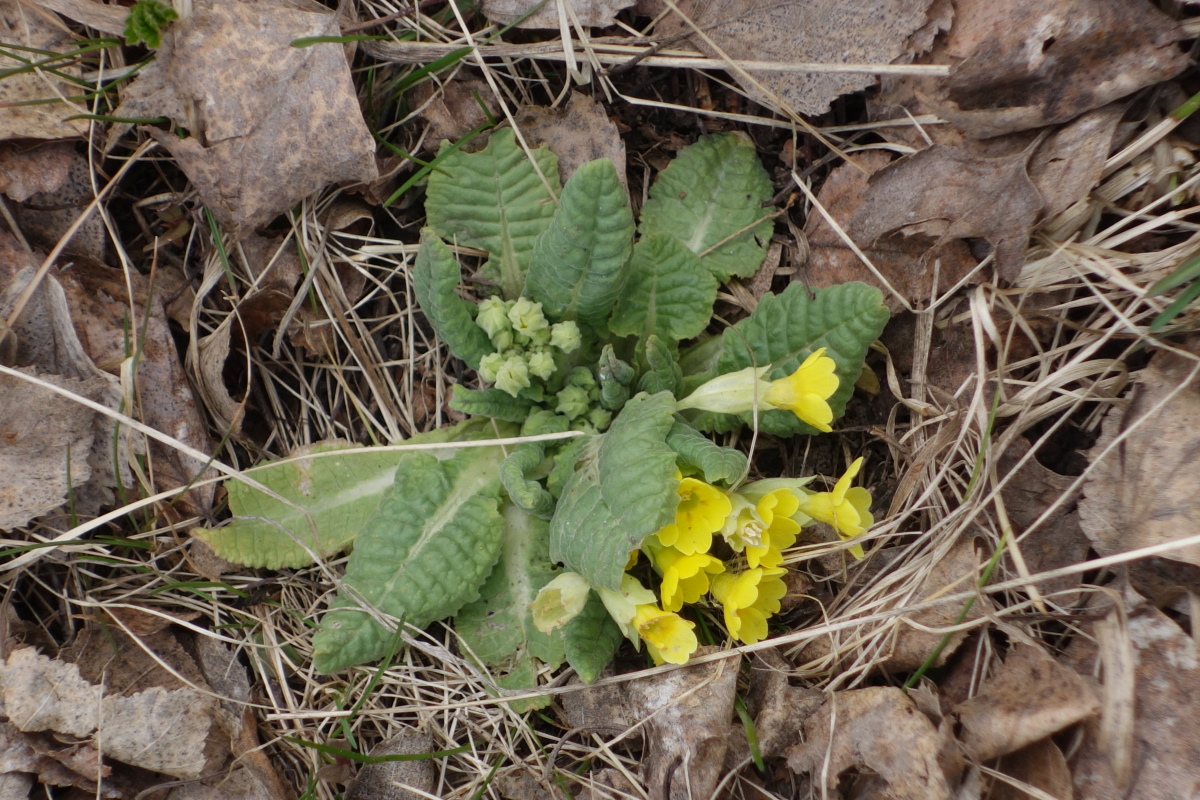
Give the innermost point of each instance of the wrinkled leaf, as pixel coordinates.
(498, 627)
(581, 262)
(785, 329)
(493, 403)
(717, 463)
(495, 200)
(436, 275)
(421, 557)
(711, 197)
(670, 293)
(622, 491)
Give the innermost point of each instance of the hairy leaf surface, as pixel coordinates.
(670, 292)
(493, 403)
(495, 200)
(785, 329)
(580, 264)
(421, 557)
(498, 627)
(716, 462)
(435, 275)
(711, 196)
(622, 491)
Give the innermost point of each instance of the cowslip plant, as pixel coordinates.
(552, 551)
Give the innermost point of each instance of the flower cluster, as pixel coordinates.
(525, 343)
(727, 545)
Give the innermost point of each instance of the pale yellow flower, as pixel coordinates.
(701, 513)
(685, 577)
(668, 636)
(749, 598)
(805, 392)
(846, 508)
(762, 526)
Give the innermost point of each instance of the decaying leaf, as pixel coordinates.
(268, 124)
(156, 729)
(1030, 696)
(880, 733)
(940, 192)
(397, 780)
(453, 108)
(779, 708)
(590, 13)
(27, 27)
(29, 168)
(824, 31)
(1153, 748)
(577, 133)
(1041, 766)
(907, 262)
(46, 215)
(690, 712)
(1144, 491)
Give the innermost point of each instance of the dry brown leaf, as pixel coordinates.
(269, 123)
(1145, 491)
(957, 571)
(949, 193)
(156, 729)
(590, 13)
(577, 133)
(822, 31)
(29, 168)
(1029, 697)
(28, 27)
(101, 17)
(45, 216)
(1018, 65)
(1164, 725)
(53, 764)
(779, 708)
(906, 261)
(397, 780)
(48, 346)
(1040, 765)
(101, 310)
(1069, 162)
(880, 733)
(453, 108)
(690, 713)
(1057, 542)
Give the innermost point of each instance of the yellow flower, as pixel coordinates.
(685, 577)
(749, 599)
(668, 636)
(701, 512)
(846, 508)
(805, 392)
(763, 527)
(623, 603)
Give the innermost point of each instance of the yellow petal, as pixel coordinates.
(843, 484)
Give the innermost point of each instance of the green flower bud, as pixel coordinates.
(565, 336)
(559, 601)
(572, 402)
(513, 375)
(600, 417)
(581, 377)
(503, 340)
(489, 366)
(493, 316)
(541, 364)
(526, 317)
(540, 338)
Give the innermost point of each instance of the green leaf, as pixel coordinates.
(325, 500)
(712, 195)
(591, 639)
(331, 499)
(435, 275)
(423, 555)
(580, 264)
(670, 292)
(697, 450)
(498, 627)
(662, 368)
(622, 491)
(495, 200)
(785, 329)
(493, 403)
(146, 22)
